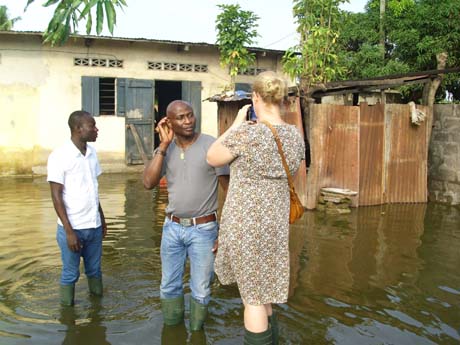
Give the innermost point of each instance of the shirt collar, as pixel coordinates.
(76, 152)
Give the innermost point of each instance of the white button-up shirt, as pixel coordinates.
(78, 174)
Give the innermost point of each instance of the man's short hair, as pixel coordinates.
(76, 117)
(175, 103)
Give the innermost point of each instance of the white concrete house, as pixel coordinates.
(125, 83)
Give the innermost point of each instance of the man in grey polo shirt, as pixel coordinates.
(190, 227)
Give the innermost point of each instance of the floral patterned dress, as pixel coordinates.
(254, 230)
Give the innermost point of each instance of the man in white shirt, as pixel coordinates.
(72, 173)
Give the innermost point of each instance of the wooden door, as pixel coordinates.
(136, 96)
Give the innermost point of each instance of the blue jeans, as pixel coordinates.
(91, 241)
(177, 243)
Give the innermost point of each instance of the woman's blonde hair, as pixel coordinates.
(270, 87)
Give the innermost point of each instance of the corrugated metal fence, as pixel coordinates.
(374, 150)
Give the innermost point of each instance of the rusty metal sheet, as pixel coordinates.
(406, 179)
(342, 149)
(376, 151)
(334, 150)
(371, 154)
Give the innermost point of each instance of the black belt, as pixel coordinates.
(193, 221)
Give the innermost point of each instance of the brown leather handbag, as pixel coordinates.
(296, 207)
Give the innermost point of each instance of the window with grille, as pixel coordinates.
(116, 63)
(111, 96)
(181, 67)
(170, 66)
(106, 96)
(185, 67)
(97, 62)
(81, 61)
(201, 68)
(155, 65)
(252, 71)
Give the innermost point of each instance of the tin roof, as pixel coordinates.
(140, 39)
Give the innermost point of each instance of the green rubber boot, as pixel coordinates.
(173, 310)
(198, 313)
(273, 321)
(67, 293)
(262, 338)
(95, 286)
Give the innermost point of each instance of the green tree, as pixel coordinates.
(236, 30)
(315, 59)
(69, 13)
(419, 35)
(6, 23)
(360, 46)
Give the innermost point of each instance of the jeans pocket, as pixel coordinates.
(210, 226)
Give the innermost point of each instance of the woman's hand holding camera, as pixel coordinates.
(242, 115)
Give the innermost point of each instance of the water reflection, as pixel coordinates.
(91, 328)
(360, 275)
(386, 274)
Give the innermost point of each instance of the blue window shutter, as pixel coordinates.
(121, 97)
(139, 97)
(90, 95)
(191, 92)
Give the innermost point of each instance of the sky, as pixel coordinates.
(181, 20)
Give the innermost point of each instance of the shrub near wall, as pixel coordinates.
(444, 155)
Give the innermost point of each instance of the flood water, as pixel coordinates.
(380, 275)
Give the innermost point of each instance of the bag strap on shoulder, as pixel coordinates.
(280, 150)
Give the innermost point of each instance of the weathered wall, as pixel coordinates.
(371, 98)
(40, 86)
(444, 155)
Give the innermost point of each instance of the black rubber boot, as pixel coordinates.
(173, 310)
(263, 338)
(198, 313)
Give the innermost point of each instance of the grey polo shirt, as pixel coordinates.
(192, 182)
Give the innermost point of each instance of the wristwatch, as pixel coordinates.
(160, 152)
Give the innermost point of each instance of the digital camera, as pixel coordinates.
(251, 115)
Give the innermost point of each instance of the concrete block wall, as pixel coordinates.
(444, 155)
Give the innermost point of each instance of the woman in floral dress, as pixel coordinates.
(253, 237)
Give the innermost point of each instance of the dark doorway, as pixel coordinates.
(144, 102)
(165, 93)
